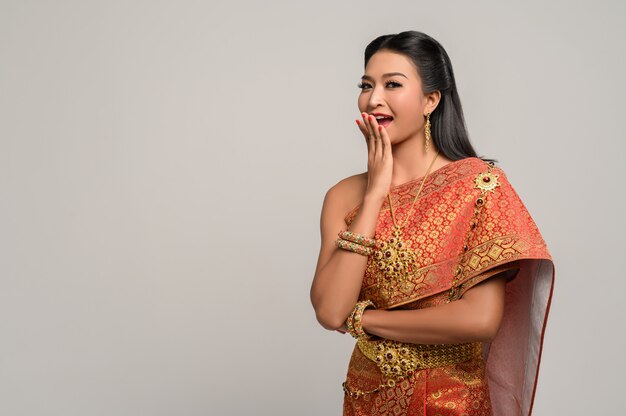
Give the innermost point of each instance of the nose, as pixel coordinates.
(376, 97)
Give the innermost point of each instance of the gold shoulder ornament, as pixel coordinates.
(486, 181)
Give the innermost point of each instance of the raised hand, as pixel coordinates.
(379, 157)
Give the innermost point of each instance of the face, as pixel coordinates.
(392, 86)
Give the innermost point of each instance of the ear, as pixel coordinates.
(432, 100)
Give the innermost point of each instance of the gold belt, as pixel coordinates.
(397, 360)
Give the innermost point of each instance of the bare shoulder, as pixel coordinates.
(339, 199)
(348, 192)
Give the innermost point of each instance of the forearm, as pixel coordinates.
(336, 287)
(451, 323)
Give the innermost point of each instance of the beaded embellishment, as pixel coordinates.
(394, 260)
(486, 182)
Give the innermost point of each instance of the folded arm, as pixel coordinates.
(476, 316)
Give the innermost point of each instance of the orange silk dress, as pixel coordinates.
(456, 248)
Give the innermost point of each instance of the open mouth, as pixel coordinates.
(384, 121)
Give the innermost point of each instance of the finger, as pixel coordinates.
(377, 137)
(370, 127)
(386, 142)
(368, 123)
(371, 138)
(381, 141)
(363, 130)
(376, 127)
(372, 134)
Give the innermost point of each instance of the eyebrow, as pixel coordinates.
(389, 74)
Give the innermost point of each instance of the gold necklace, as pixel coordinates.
(394, 258)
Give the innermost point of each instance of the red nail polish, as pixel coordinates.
(358, 122)
(380, 128)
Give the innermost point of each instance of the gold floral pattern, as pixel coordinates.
(503, 232)
(453, 243)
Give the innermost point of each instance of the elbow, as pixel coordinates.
(329, 321)
(328, 317)
(488, 329)
(488, 334)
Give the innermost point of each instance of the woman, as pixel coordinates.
(430, 259)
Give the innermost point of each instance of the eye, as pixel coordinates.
(394, 83)
(365, 85)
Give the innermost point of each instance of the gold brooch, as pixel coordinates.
(486, 181)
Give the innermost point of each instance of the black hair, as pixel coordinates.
(448, 129)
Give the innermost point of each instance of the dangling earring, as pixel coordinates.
(427, 131)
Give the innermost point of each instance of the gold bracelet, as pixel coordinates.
(357, 238)
(357, 316)
(350, 323)
(354, 247)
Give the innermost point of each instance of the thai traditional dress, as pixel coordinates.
(467, 225)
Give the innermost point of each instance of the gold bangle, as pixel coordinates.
(357, 316)
(357, 238)
(354, 247)
(349, 324)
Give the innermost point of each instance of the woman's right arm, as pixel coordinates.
(339, 273)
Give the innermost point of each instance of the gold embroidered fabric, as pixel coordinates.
(468, 225)
(502, 232)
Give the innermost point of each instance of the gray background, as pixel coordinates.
(162, 170)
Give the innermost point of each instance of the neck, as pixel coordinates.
(410, 161)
